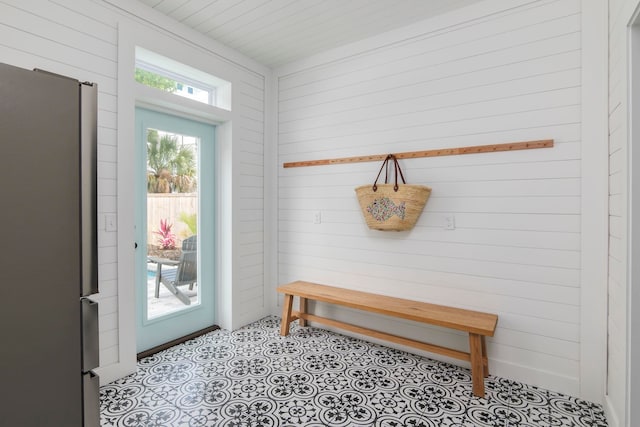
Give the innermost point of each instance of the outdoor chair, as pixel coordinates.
(185, 271)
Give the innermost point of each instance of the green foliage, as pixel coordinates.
(191, 221)
(171, 165)
(157, 81)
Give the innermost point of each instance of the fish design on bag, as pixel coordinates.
(384, 208)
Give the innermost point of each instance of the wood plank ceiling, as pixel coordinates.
(275, 32)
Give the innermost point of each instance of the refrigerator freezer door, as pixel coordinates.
(39, 310)
(89, 187)
(91, 391)
(90, 343)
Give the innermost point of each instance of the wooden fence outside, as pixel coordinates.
(169, 206)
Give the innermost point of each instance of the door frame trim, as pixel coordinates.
(130, 35)
(633, 216)
(594, 213)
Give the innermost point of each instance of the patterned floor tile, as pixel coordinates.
(571, 411)
(255, 377)
(297, 411)
(433, 400)
(494, 415)
(146, 417)
(173, 373)
(345, 408)
(137, 406)
(203, 417)
(257, 412)
(410, 420)
(210, 393)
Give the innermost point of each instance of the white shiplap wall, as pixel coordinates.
(506, 71)
(58, 36)
(60, 39)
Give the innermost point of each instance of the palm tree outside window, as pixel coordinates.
(171, 165)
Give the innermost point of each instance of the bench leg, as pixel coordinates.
(485, 360)
(303, 310)
(286, 315)
(477, 364)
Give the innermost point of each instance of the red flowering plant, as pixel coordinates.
(167, 239)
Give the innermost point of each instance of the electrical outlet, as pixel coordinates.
(317, 217)
(450, 222)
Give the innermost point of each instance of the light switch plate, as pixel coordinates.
(450, 222)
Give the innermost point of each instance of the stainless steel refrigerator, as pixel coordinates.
(48, 250)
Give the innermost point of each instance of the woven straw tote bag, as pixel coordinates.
(392, 207)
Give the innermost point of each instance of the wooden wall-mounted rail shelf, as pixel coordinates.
(510, 146)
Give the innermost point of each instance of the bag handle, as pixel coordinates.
(397, 168)
(384, 163)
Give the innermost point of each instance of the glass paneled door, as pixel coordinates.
(174, 227)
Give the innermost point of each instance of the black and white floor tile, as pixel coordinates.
(255, 377)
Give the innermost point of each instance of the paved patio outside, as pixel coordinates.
(167, 302)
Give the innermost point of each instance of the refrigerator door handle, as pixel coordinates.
(90, 335)
(89, 186)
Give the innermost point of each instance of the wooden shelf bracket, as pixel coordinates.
(509, 146)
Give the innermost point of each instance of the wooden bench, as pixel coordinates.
(477, 324)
